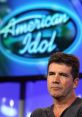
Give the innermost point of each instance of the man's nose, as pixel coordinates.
(56, 78)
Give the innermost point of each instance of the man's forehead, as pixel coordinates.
(56, 66)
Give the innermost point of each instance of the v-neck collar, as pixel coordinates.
(50, 112)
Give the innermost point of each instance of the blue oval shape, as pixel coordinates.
(36, 32)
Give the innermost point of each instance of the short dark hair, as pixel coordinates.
(67, 59)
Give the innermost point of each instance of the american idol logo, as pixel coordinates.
(37, 31)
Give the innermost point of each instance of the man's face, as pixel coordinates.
(60, 81)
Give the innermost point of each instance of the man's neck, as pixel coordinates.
(65, 100)
(61, 104)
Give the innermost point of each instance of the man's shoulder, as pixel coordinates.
(41, 112)
(78, 101)
(75, 110)
(38, 111)
(75, 104)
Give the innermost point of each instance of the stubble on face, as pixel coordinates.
(63, 87)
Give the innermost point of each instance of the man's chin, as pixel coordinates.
(57, 96)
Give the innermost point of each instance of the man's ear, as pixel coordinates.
(76, 81)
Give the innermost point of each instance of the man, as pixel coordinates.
(63, 78)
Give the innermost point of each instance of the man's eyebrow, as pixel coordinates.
(61, 73)
(65, 74)
(51, 72)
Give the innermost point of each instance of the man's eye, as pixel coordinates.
(51, 73)
(64, 75)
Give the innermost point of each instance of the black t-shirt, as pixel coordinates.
(74, 110)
